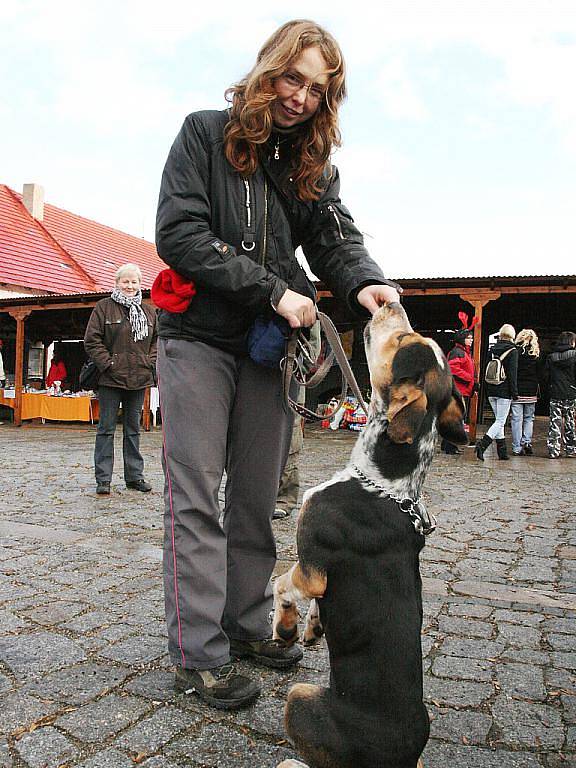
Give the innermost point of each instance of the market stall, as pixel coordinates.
(40, 405)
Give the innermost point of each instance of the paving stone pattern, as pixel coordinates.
(85, 680)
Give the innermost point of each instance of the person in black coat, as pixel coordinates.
(500, 396)
(524, 407)
(561, 374)
(241, 190)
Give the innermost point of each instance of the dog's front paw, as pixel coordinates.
(291, 764)
(313, 630)
(285, 625)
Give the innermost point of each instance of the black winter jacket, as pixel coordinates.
(509, 388)
(527, 377)
(210, 229)
(561, 372)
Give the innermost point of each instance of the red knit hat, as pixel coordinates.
(172, 292)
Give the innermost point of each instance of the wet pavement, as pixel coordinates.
(85, 679)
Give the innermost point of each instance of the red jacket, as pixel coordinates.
(57, 373)
(462, 367)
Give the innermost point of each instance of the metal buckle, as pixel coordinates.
(427, 521)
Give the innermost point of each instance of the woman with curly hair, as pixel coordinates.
(524, 407)
(241, 190)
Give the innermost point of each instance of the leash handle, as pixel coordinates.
(334, 340)
(336, 352)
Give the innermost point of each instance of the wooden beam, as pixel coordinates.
(45, 307)
(498, 290)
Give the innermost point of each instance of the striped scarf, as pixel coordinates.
(137, 316)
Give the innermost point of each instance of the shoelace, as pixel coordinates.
(225, 672)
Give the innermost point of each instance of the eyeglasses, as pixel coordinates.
(293, 83)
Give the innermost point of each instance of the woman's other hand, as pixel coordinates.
(298, 310)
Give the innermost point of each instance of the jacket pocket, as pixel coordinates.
(337, 225)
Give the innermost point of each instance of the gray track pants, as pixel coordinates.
(219, 412)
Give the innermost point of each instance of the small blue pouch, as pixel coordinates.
(267, 340)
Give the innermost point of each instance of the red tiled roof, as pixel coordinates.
(99, 249)
(29, 257)
(66, 253)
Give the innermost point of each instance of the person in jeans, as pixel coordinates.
(241, 190)
(561, 374)
(121, 339)
(524, 407)
(500, 396)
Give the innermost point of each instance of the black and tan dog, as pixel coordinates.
(359, 539)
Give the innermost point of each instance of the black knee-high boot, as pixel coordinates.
(481, 446)
(501, 449)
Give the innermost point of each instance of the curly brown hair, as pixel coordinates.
(251, 121)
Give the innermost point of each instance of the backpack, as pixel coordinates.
(495, 373)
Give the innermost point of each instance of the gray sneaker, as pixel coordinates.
(220, 687)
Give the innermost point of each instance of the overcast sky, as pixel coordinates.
(459, 153)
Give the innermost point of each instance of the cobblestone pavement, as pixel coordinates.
(85, 679)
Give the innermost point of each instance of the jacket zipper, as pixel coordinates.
(333, 212)
(248, 243)
(247, 203)
(265, 221)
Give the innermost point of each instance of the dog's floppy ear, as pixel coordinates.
(406, 411)
(451, 419)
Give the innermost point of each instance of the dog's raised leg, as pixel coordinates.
(313, 629)
(288, 588)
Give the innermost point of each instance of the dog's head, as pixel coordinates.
(411, 380)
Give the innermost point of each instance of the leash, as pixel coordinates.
(424, 523)
(298, 361)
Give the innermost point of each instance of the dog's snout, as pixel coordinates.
(391, 317)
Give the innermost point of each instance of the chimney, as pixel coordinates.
(33, 198)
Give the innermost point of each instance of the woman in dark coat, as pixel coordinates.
(561, 374)
(500, 396)
(121, 339)
(524, 407)
(242, 189)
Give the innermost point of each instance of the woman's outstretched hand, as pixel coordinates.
(372, 297)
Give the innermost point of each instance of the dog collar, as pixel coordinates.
(423, 522)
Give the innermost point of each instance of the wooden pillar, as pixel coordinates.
(478, 300)
(20, 316)
(146, 410)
